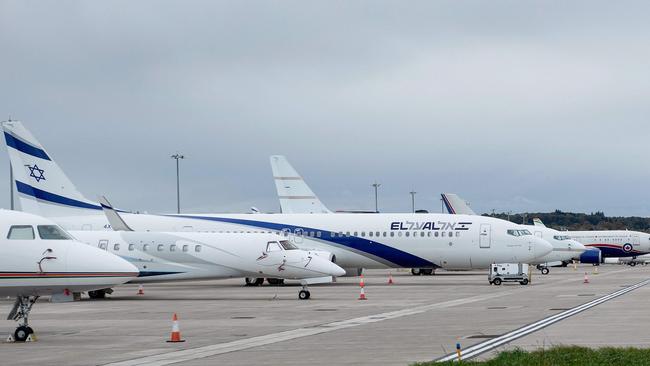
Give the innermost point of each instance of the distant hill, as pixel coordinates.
(580, 221)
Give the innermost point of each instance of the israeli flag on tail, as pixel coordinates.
(42, 187)
(294, 194)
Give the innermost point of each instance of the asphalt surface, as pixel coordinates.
(415, 319)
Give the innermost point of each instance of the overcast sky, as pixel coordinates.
(514, 105)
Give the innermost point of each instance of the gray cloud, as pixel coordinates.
(514, 105)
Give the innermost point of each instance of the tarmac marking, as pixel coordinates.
(491, 344)
(242, 344)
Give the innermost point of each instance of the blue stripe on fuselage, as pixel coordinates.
(609, 252)
(388, 253)
(24, 147)
(51, 197)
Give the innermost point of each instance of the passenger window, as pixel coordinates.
(356, 233)
(377, 233)
(451, 235)
(131, 246)
(21, 232)
(392, 234)
(145, 247)
(103, 244)
(370, 233)
(185, 248)
(442, 234)
(429, 233)
(197, 248)
(273, 246)
(363, 233)
(422, 234)
(407, 234)
(172, 248)
(384, 234)
(160, 247)
(436, 234)
(457, 234)
(399, 233)
(347, 233)
(116, 246)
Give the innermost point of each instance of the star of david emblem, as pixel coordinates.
(36, 173)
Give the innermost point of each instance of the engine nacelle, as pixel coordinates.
(592, 255)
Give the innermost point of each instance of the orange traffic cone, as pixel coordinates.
(176, 332)
(362, 294)
(390, 278)
(140, 290)
(586, 278)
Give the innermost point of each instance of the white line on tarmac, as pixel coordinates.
(491, 344)
(242, 344)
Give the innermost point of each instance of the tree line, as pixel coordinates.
(578, 221)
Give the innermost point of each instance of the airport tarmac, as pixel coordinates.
(415, 319)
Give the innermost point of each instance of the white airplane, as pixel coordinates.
(173, 256)
(354, 240)
(599, 244)
(38, 258)
(294, 194)
(564, 248)
(611, 243)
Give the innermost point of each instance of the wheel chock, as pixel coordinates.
(31, 338)
(10, 339)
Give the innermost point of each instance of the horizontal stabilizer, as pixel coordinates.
(114, 218)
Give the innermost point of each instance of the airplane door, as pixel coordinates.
(485, 236)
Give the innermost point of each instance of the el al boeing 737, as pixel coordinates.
(354, 240)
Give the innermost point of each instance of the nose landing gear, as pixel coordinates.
(20, 312)
(304, 294)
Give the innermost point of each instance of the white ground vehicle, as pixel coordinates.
(508, 272)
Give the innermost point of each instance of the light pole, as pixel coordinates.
(376, 186)
(178, 157)
(412, 193)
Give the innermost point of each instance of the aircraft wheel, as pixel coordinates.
(22, 332)
(496, 281)
(545, 271)
(97, 294)
(632, 264)
(524, 282)
(304, 295)
(416, 271)
(427, 271)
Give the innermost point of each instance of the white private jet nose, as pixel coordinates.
(96, 268)
(324, 267)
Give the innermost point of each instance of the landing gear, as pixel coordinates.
(416, 271)
(304, 294)
(251, 281)
(97, 294)
(422, 271)
(275, 281)
(545, 271)
(427, 271)
(20, 313)
(632, 263)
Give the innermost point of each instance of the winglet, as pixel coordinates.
(113, 217)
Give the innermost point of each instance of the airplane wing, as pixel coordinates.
(113, 217)
(456, 205)
(294, 193)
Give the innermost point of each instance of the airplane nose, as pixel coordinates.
(326, 267)
(83, 258)
(542, 247)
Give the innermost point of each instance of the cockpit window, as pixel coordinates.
(287, 245)
(52, 232)
(561, 237)
(519, 232)
(273, 246)
(21, 232)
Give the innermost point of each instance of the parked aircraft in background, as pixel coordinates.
(38, 258)
(354, 240)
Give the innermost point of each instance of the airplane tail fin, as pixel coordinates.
(294, 194)
(456, 205)
(42, 187)
(538, 222)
